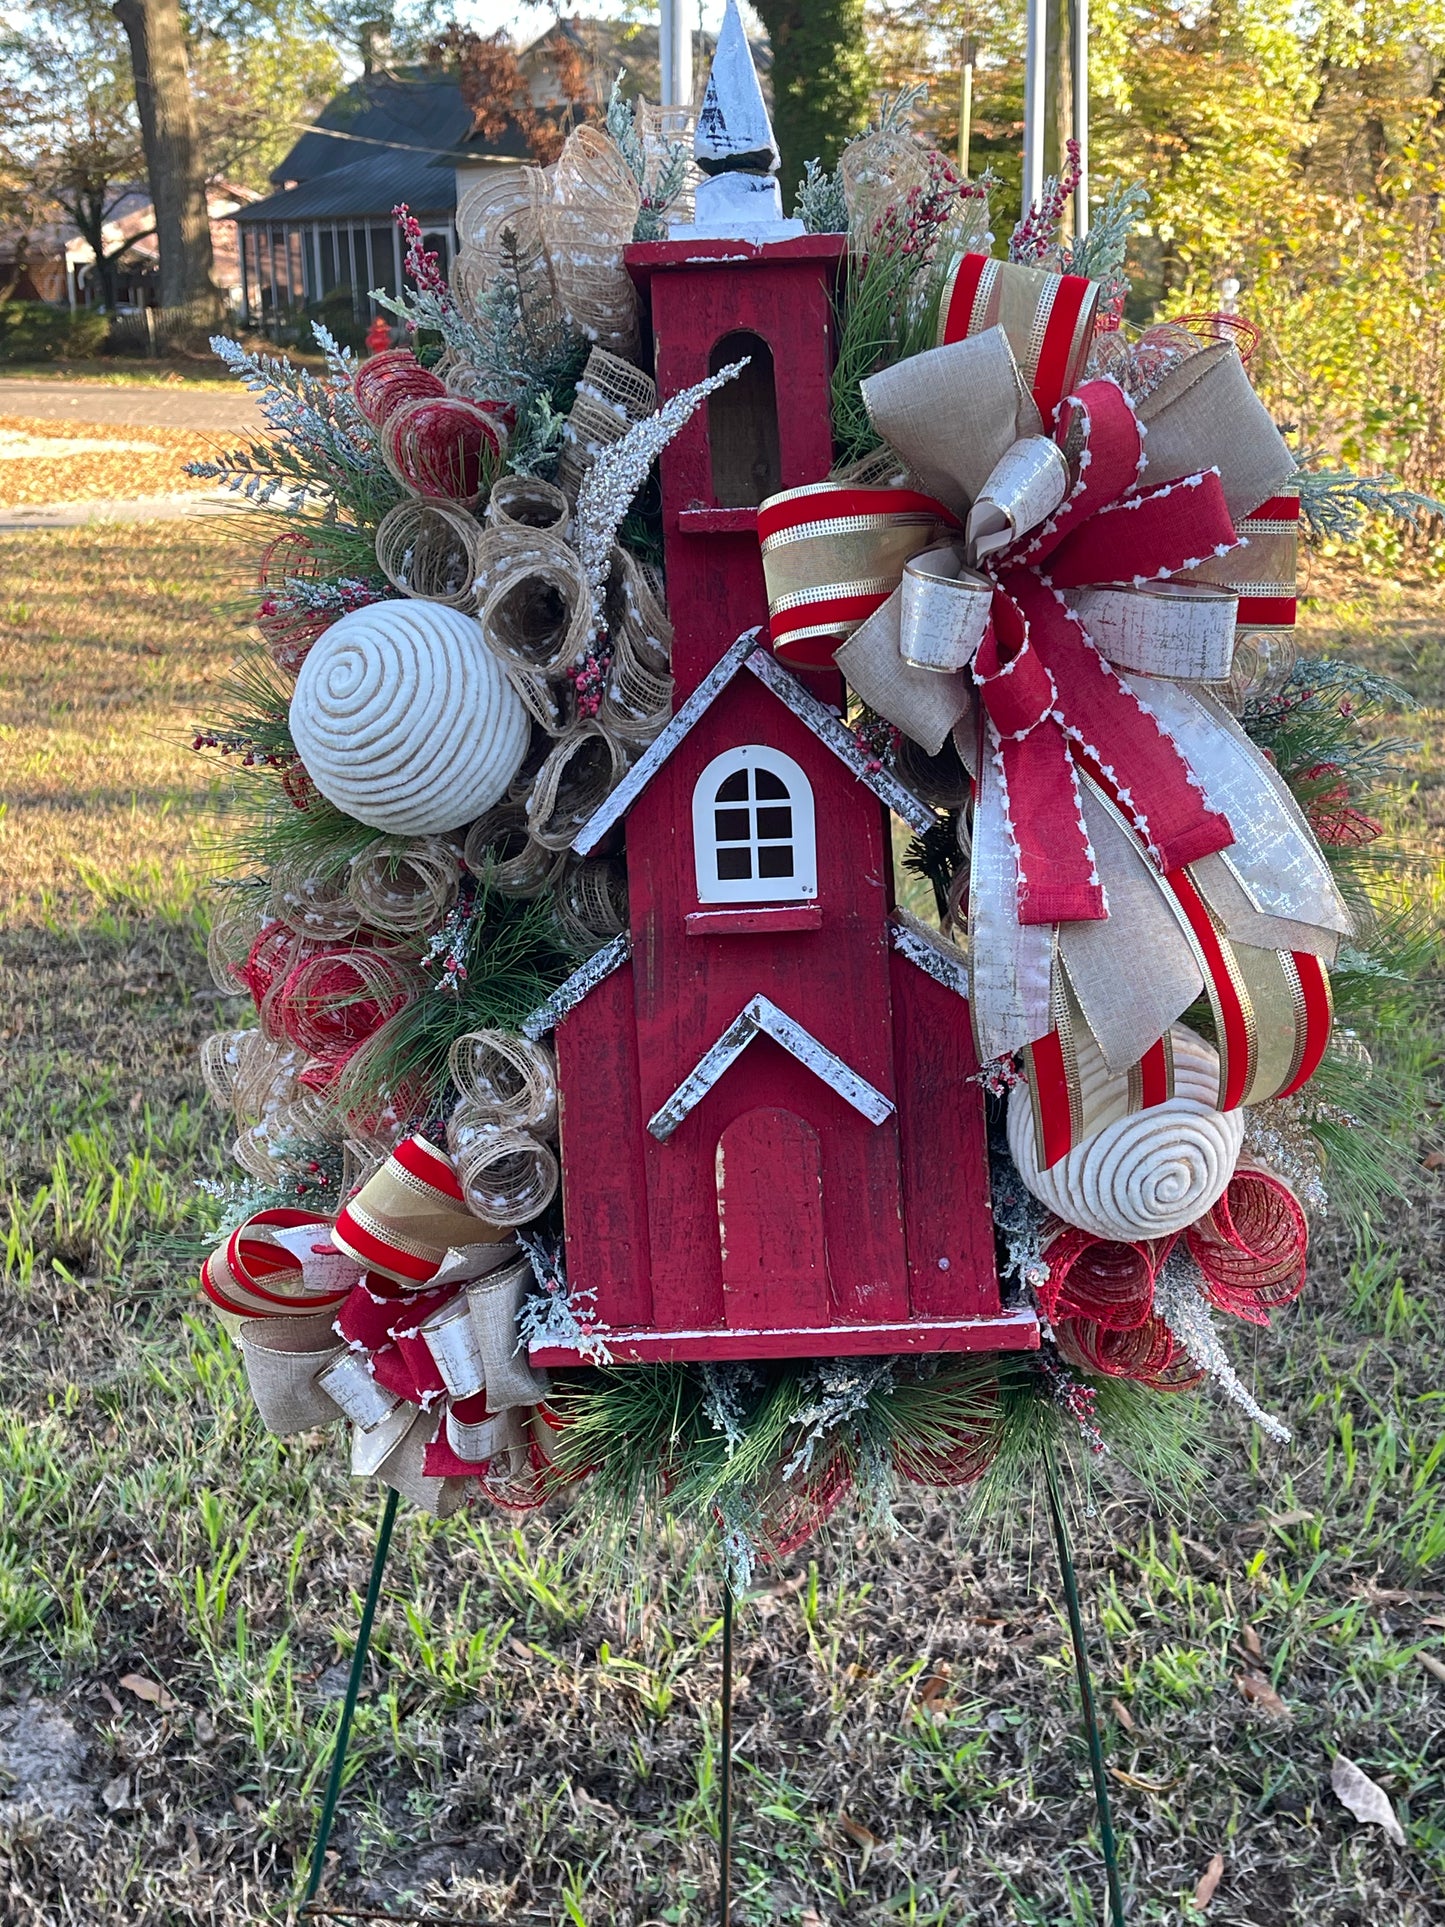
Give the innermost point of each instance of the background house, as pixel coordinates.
(422, 135)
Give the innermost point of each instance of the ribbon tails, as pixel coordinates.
(1056, 578)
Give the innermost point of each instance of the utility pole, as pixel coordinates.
(965, 104)
(1056, 100)
(674, 50)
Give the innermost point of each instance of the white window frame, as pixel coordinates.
(802, 885)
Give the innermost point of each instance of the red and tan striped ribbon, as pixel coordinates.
(405, 1219)
(833, 553)
(1048, 318)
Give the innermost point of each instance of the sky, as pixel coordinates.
(526, 22)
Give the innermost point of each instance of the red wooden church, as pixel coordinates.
(771, 1144)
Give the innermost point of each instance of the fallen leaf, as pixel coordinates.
(1433, 1619)
(191, 1852)
(1141, 1786)
(147, 1689)
(1122, 1715)
(110, 1699)
(116, 1793)
(1434, 1162)
(1209, 1880)
(1249, 1639)
(1432, 1665)
(935, 1687)
(1297, 1518)
(859, 1834)
(1369, 1803)
(1258, 1691)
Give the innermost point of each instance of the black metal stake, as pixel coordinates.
(1086, 1694)
(348, 1708)
(725, 1777)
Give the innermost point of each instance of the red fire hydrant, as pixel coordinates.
(378, 337)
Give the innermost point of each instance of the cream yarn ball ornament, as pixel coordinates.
(405, 719)
(1147, 1175)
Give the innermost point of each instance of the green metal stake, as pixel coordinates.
(1086, 1693)
(725, 1778)
(348, 1708)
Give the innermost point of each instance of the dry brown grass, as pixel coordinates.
(97, 475)
(535, 1742)
(109, 640)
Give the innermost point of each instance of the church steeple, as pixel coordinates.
(735, 149)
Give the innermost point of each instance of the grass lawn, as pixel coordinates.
(535, 1743)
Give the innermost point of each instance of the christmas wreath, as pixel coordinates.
(1054, 560)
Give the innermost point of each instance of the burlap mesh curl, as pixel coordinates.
(500, 851)
(612, 395)
(527, 502)
(429, 550)
(578, 776)
(505, 1080)
(236, 922)
(538, 611)
(405, 889)
(507, 1177)
(312, 902)
(591, 901)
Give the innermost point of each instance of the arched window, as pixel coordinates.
(742, 424)
(752, 829)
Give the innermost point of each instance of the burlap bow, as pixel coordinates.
(1047, 598)
(400, 1317)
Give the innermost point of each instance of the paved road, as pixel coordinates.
(139, 407)
(142, 508)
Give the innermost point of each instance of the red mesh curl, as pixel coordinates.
(1149, 1354)
(1252, 1246)
(384, 382)
(1108, 1282)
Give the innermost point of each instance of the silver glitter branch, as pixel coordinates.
(619, 472)
(1181, 1304)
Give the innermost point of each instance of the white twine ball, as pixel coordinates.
(405, 720)
(1147, 1175)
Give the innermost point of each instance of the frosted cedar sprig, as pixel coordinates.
(1036, 235)
(448, 946)
(319, 443)
(659, 167)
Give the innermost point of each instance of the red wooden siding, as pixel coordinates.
(603, 1170)
(946, 1209)
(769, 1166)
(701, 291)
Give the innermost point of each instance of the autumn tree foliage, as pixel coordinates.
(502, 93)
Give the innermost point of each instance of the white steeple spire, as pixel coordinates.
(735, 149)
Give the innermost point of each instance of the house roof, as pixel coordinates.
(368, 188)
(748, 653)
(417, 110)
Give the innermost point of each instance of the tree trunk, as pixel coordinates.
(167, 112)
(820, 80)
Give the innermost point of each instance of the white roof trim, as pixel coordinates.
(835, 734)
(933, 953)
(616, 806)
(762, 1018)
(830, 730)
(566, 997)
